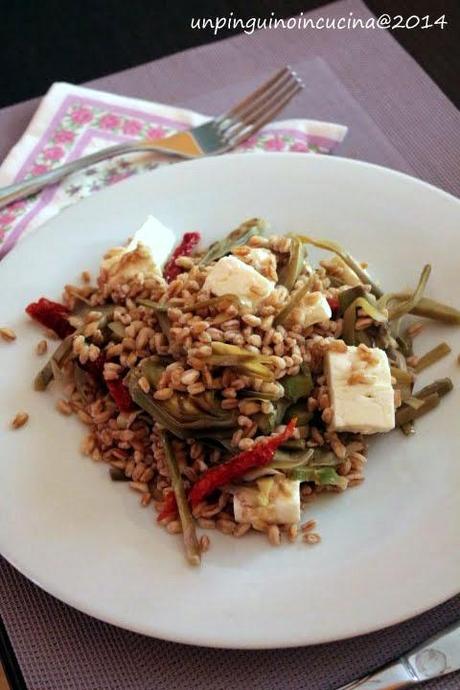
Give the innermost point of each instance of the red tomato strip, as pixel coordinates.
(260, 455)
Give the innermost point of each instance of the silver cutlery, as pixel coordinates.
(436, 657)
(219, 135)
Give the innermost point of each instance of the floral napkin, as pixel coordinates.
(72, 121)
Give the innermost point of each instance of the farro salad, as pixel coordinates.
(230, 385)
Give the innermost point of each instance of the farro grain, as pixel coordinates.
(64, 407)
(84, 417)
(252, 320)
(249, 407)
(204, 543)
(189, 377)
(311, 538)
(415, 328)
(344, 467)
(241, 529)
(246, 443)
(7, 334)
(244, 421)
(144, 384)
(236, 438)
(292, 532)
(163, 394)
(327, 415)
(206, 523)
(174, 527)
(19, 420)
(229, 404)
(196, 388)
(339, 448)
(41, 347)
(267, 407)
(93, 352)
(225, 526)
(142, 487)
(274, 535)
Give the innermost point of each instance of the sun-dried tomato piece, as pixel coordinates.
(185, 248)
(334, 305)
(52, 315)
(261, 454)
(169, 507)
(121, 396)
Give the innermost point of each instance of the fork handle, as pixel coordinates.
(25, 188)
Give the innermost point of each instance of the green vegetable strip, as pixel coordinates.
(296, 297)
(152, 370)
(323, 476)
(225, 355)
(402, 376)
(192, 548)
(117, 329)
(432, 357)
(440, 386)
(407, 414)
(291, 271)
(176, 419)
(45, 375)
(163, 322)
(349, 260)
(347, 297)
(258, 395)
(300, 411)
(237, 352)
(214, 302)
(64, 350)
(406, 306)
(414, 402)
(317, 457)
(349, 318)
(430, 309)
(298, 386)
(284, 460)
(238, 237)
(152, 305)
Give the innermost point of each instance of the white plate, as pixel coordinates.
(390, 548)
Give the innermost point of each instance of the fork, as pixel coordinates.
(219, 135)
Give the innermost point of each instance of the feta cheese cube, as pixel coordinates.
(360, 390)
(146, 253)
(263, 260)
(232, 276)
(313, 308)
(158, 239)
(280, 507)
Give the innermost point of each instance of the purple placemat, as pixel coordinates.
(406, 124)
(405, 105)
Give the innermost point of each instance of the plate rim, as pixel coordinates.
(199, 640)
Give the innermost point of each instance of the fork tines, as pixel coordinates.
(261, 106)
